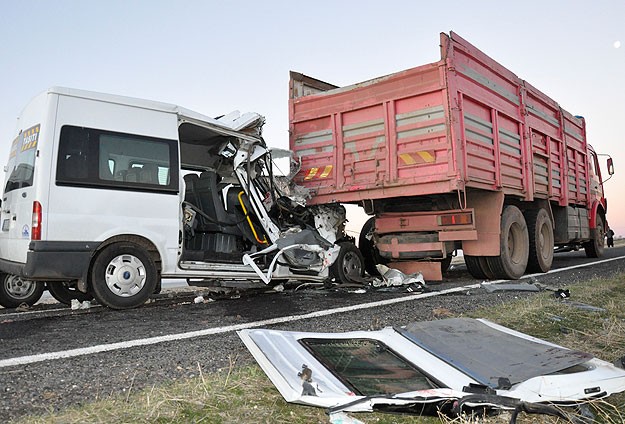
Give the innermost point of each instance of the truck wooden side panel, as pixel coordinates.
(462, 122)
(378, 139)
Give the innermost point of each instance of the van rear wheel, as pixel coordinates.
(14, 291)
(123, 276)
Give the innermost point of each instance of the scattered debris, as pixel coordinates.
(77, 304)
(394, 277)
(199, 299)
(22, 307)
(343, 418)
(442, 313)
(562, 293)
(278, 288)
(510, 287)
(583, 306)
(453, 366)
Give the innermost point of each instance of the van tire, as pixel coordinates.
(14, 291)
(65, 292)
(348, 264)
(123, 276)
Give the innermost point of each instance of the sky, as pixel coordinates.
(218, 56)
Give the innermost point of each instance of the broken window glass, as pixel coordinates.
(367, 366)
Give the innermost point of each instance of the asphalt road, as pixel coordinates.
(31, 382)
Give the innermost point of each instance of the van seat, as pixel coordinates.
(149, 174)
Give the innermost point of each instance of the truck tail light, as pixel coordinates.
(35, 227)
(463, 218)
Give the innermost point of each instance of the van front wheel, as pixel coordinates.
(123, 276)
(14, 291)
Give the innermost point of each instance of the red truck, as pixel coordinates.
(456, 154)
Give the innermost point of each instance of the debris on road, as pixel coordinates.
(451, 366)
(393, 277)
(562, 294)
(490, 288)
(77, 304)
(583, 306)
(343, 418)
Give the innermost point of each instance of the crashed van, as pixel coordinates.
(106, 195)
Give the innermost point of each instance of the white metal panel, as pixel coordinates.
(90, 214)
(17, 204)
(280, 354)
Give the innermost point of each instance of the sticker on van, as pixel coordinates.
(25, 232)
(30, 138)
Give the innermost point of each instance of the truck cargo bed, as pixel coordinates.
(462, 122)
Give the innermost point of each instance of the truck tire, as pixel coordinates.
(64, 292)
(474, 267)
(14, 291)
(514, 246)
(594, 247)
(349, 263)
(486, 268)
(446, 263)
(368, 250)
(540, 231)
(123, 276)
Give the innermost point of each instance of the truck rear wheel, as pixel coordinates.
(474, 267)
(540, 231)
(514, 246)
(367, 248)
(594, 247)
(348, 264)
(14, 291)
(123, 276)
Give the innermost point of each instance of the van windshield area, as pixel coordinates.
(21, 164)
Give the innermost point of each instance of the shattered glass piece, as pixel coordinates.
(368, 366)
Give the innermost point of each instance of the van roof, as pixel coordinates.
(232, 121)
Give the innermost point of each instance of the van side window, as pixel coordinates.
(116, 160)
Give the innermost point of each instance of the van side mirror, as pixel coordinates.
(610, 166)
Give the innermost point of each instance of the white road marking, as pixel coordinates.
(29, 359)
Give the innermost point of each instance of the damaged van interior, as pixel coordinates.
(241, 209)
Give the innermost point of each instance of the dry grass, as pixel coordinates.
(243, 394)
